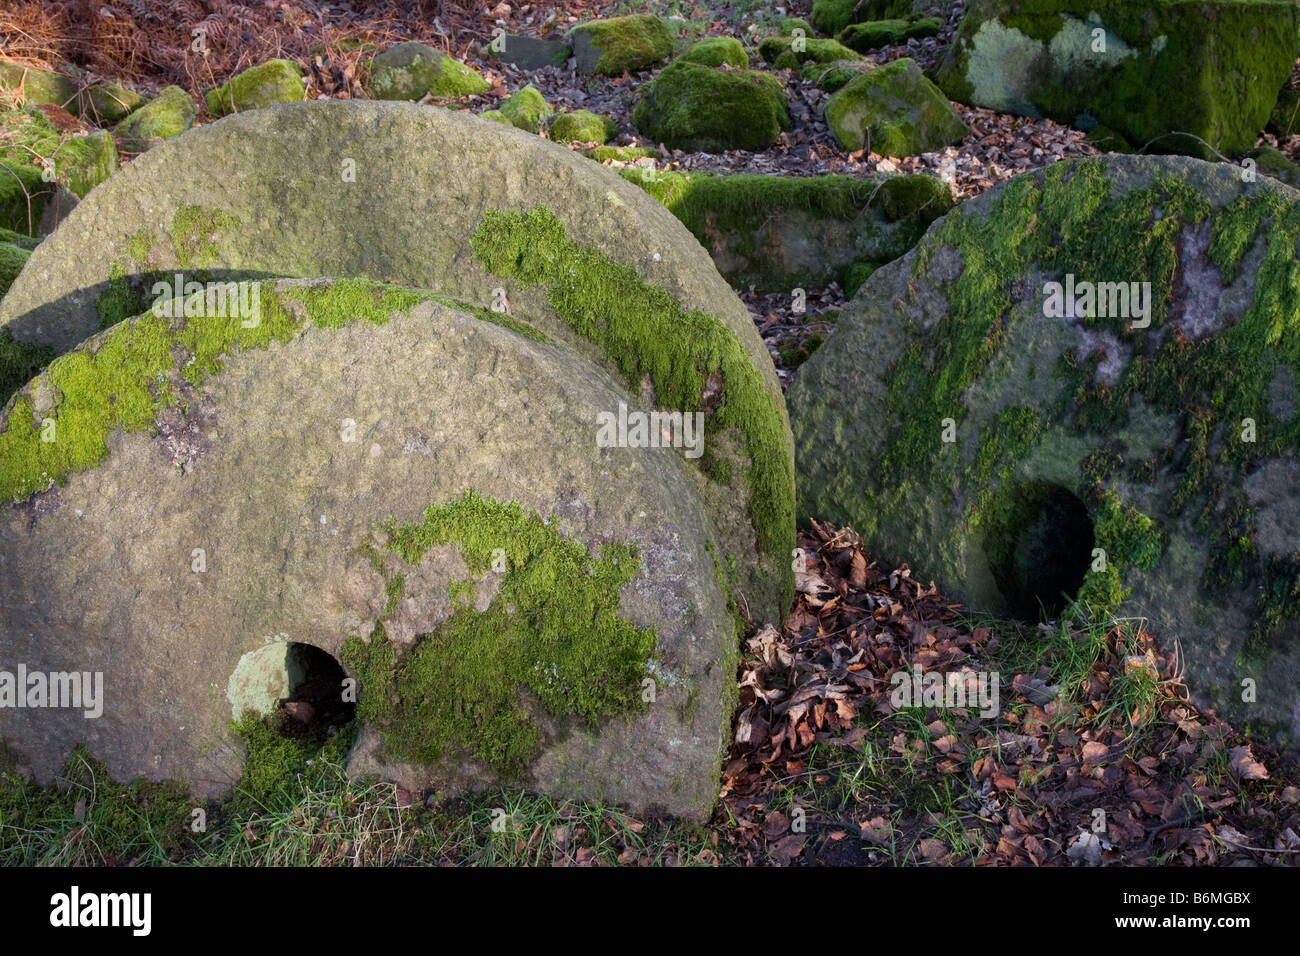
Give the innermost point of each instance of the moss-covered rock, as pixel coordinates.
(1284, 120)
(107, 103)
(38, 159)
(621, 44)
(1272, 162)
(895, 111)
(38, 86)
(872, 36)
(1208, 69)
(582, 126)
(788, 25)
(832, 16)
(518, 617)
(215, 201)
(621, 154)
(962, 417)
(831, 77)
(527, 109)
(495, 116)
(698, 108)
(411, 70)
(715, 51)
(778, 233)
(788, 53)
(269, 83)
(12, 260)
(168, 114)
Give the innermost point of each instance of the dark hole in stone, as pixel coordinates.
(1039, 547)
(315, 707)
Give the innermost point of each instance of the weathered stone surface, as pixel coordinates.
(262, 193)
(411, 70)
(269, 83)
(168, 114)
(1036, 58)
(621, 44)
(957, 423)
(699, 108)
(895, 110)
(251, 463)
(777, 233)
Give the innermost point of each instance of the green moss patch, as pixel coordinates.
(645, 333)
(552, 635)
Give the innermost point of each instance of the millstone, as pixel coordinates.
(342, 475)
(1139, 455)
(437, 199)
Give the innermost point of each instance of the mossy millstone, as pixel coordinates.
(621, 44)
(956, 422)
(895, 111)
(263, 193)
(411, 70)
(1043, 58)
(275, 81)
(778, 233)
(699, 108)
(378, 547)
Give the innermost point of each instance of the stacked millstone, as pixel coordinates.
(1009, 408)
(566, 301)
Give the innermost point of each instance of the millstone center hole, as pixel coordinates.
(1039, 547)
(299, 681)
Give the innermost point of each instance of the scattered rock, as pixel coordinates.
(894, 111)
(275, 81)
(715, 51)
(863, 37)
(526, 110)
(693, 107)
(531, 53)
(621, 45)
(38, 86)
(168, 114)
(409, 71)
(582, 126)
